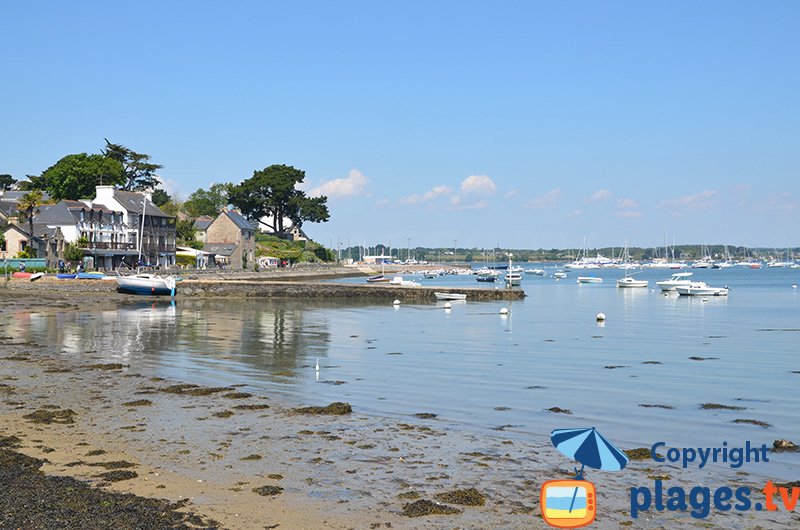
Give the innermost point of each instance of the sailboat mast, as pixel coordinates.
(141, 232)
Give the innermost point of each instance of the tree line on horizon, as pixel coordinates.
(497, 254)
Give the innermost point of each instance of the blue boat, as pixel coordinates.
(66, 276)
(90, 276)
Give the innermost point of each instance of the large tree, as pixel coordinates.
(207, 202)
(28, 206)
(160, 197)
(75, 176)
(140, 173)
(7, 182)
(271, 196)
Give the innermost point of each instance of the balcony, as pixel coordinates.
(94, 245)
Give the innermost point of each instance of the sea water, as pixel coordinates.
(639, 377)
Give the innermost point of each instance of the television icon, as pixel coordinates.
(568, 503)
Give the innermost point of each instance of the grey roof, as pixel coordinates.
(8, 208)
(240, 220)
(220, 249)
(132, 201)
(41, 231)
(201, 223)
(66, 212)
(58, 214)
(17, 195)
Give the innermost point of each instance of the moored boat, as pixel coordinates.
(146, 284)
(450, 296)
(90, 276)
(679, 279)
(631, 282)
(701, 289)
(377, 279)
(589, 279)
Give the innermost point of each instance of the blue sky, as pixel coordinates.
(519, 124)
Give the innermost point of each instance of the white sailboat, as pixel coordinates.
(629, 281)
(146, 283)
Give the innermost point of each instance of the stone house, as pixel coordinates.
(231, 237)
(200, 227)
(17, 239)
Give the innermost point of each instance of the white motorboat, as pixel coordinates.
(680, 279)
(398, 281)
(559, 275)
(701, 289)
(450, 296)
(628, 281)
(589, 279)
(537, 272)
(513, 277)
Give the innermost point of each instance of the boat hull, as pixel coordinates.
(66, 276)
(145, 286)
(589, 279)
(450, 296)
(632, 284)
(702, 291)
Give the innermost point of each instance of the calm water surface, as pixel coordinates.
(479, 370)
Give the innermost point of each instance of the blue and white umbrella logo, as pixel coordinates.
(588, 447)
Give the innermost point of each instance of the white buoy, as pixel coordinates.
(504, 311)
(794, 286)
(317, 366)
(396, 302)
(448, 305)
(600, 317)
(705, 299)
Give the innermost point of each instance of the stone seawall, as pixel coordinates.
(299, 289)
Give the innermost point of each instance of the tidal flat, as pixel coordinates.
(264, 459)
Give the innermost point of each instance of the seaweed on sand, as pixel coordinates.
(138, 403)
(464, 497)
(425, 507)
(335, 408)
(51, 416)
(265, 491)
(75, 504)
(118, 475)
(109, 366)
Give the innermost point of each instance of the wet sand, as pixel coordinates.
(248, 466)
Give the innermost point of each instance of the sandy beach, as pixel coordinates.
(237, 460)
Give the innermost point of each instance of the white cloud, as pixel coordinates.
(429, 195)
(599, 195)
(171, 187)
(548, 200)
(694, 202)
(478, 184)
(511, 194)
(354, 185)
(456, 204)
(628, 214)
(627, 204)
